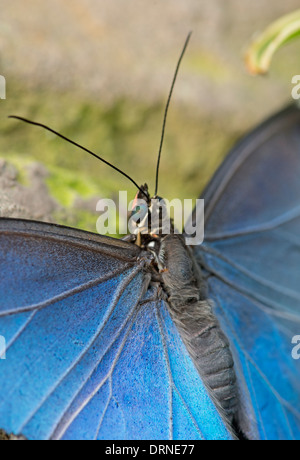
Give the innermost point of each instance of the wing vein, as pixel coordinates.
(262, 281)
(66, 294)
(173, 385)
(272, 224)
(280, 399)
(114, 302)
(128, 323)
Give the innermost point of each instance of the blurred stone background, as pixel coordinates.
(100, 73)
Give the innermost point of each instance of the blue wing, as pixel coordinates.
(252, 257)
(91, 350)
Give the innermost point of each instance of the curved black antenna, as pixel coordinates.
(80, 146)
(167, 107)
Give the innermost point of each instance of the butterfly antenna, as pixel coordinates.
(167, 107)
(79, 146)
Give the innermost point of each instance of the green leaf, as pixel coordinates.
(261, 51)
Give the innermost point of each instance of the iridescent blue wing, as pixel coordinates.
(91, 350)
(252, 256)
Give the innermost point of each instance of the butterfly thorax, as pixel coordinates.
(184, 286)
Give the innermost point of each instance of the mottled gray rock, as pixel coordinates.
(97, 50)
(27, 202)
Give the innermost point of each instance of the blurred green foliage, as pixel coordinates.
(261, 51)
(126, 133)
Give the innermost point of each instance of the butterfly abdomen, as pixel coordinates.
(198, 326)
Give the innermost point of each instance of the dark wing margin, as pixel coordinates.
(92, 352)
(251, 254)
(55, 262)
(280, 132)
(59, 232)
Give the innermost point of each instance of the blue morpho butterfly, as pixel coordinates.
(106, 339)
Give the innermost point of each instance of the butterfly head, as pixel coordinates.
(150, 217)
